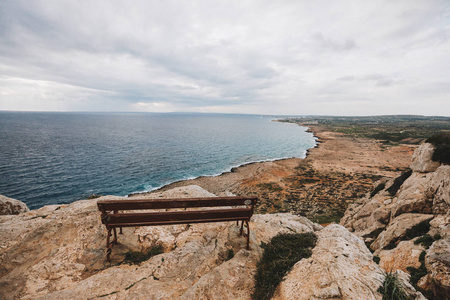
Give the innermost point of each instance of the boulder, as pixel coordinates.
(10, 206)
(437, 262)
(340, 267)
(439, 190)
(414, 195)
(406, 254)
(421, 160)
(397, 229)
(369, 215)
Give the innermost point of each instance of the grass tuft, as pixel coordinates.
(279, 257)
(392, 288)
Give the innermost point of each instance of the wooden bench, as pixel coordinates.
(138, 212)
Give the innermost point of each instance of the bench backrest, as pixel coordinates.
(243, 208)
(138, 204)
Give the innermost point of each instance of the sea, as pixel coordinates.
(60, 157)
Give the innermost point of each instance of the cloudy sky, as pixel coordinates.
(264, 57)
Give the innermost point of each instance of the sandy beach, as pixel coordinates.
(338, 171)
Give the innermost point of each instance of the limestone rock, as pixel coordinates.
(340, 267)
(440, 190)
(414, 195)
(370, 215)
(10, 206)
(397, 228)
(437, 262)
(441, 225)
(406, 254)
(267, 226)
(190, 191)
(58, 252)
(421, 161)
(49, 248)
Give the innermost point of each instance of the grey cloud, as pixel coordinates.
(197, 54)
(377, 79)
(327, 43)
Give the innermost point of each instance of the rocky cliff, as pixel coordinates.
(406, 223)
(58, 251)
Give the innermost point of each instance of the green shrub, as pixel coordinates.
(419, 229)
(441, 142)
(279, 256)
(392, 288)
(427, 240)
(230, 254)
(136, 257)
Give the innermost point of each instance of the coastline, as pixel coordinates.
(232, 169)
(340, 166)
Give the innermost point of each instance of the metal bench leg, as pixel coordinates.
(120, 230)
(108, 245)
(115, 236)
(248, 235)
(242, 227)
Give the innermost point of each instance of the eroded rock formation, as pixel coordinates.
(10, 206)
(407, 216)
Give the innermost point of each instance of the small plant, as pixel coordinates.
(279, 257)
(427, 240)
(136, 257)
(230, 254)
(392, 288)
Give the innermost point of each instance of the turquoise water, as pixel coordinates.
(54, 158)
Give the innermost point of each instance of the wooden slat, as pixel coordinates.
(179, 216)
(179, 222)
(136, 204)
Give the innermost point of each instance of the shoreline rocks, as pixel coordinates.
(10, 206)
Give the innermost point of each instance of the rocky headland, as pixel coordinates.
(400, 224)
